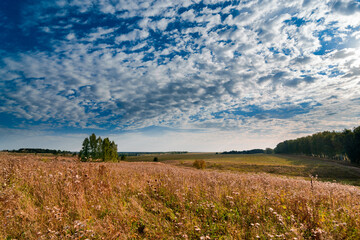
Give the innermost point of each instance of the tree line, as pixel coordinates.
(94, 148)
(41, 150)
(252, 151)
(337, 145)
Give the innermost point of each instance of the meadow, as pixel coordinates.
(48, 197)
(286, 165)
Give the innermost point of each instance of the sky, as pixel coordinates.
(177, 75)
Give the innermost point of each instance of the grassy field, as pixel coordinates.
(43, 197)
(286, 165)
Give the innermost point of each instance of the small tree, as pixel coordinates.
(113, 151)
(109, 150)
(93, 146)
(156, 159)
(99, 148)
(106, 149)
(85, 151)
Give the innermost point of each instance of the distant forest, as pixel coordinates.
(252, 151)
(337, 145)
(146, 153)
(40, 150)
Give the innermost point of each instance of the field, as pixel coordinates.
(286, 165)
(236, 197)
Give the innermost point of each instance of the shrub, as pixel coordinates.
(156, 159)
(199, 164)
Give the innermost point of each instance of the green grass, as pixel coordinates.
(286, 165)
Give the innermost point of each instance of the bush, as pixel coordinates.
(123, 157)
(199, 164)
(156, 159)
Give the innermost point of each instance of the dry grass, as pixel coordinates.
(286, 165)
(57, 199)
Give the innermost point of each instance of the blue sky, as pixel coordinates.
(162, 75)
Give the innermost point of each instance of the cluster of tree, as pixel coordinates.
(252, 151)
(177, 152)
(40, 150)
(337, 145)
(95, 148)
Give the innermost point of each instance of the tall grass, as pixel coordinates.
(73, 200)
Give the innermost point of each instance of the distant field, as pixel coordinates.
(48, 197)
(287, 165)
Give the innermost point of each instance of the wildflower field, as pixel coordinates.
(48, 197)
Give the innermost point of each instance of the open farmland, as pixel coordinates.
(286, 165)
(63, 198)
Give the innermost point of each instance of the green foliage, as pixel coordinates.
(352, 144)
(252, 151)
(99, 154)
(85, 151)
(156, 159)
(109, 150)
(337, 145)
(269, 151)
(96, 148)
(93, 146)
(199, 164)
(106, 149)
(40, 150)
(123, 157)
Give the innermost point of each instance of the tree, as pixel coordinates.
(352, 144)
(96, 148)
(85, 151)
(109, 150)
(326, 144)
(357, 144)
(93, 146)
(269, 151)
(113, 151)
(99, 148)
(106, 149)
(338, 142)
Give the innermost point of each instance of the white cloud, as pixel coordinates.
(133, 36)
(125, 77)
(188, 15)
